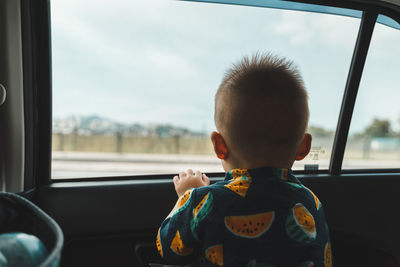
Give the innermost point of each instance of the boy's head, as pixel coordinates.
(261, 113)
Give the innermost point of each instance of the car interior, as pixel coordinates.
(113, 221)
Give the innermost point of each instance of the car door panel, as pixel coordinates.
(122, 217)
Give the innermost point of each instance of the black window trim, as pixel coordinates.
(30, 164)
(36, 51)
(366, 29)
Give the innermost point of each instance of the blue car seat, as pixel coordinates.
(28, 236)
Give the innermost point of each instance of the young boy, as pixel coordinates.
(260, 215)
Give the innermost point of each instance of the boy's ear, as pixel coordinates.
(220, 148)
(305, 147)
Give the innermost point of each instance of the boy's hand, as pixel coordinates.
(189, 179)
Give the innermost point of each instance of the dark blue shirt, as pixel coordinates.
(256, 217)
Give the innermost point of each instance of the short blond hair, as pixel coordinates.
(261, 107)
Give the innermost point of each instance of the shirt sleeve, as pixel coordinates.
(178, 239)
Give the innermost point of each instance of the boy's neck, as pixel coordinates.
(254, 165)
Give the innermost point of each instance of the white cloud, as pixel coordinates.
(295, 26)
(305, 28)
(161, 60)
(169, 62)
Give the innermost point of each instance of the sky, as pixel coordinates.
(161, 61)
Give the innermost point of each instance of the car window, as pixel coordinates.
(374, 139)
(134, 81)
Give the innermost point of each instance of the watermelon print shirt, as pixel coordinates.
(256, 217)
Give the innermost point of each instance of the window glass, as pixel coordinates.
(374, 139)
(134, 81)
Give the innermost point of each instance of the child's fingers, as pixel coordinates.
(197, 173)
(182, 175)
(189, 172)
(205, 179)
(175, 179)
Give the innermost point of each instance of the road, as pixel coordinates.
(84, 164)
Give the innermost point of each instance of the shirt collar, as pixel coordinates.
(267, 172)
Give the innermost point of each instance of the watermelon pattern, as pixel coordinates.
(240, 186)
(328, 255)
(184, 201)
(294, 185)
(250, 226)
(239, 173)
(200, 212)
(178, 247)
(317, 202)
(247, 219)
(158, 244)
(215, 255)
(300, 224)
(240, 182)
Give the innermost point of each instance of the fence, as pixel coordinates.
(133, 144)
(201, 145)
